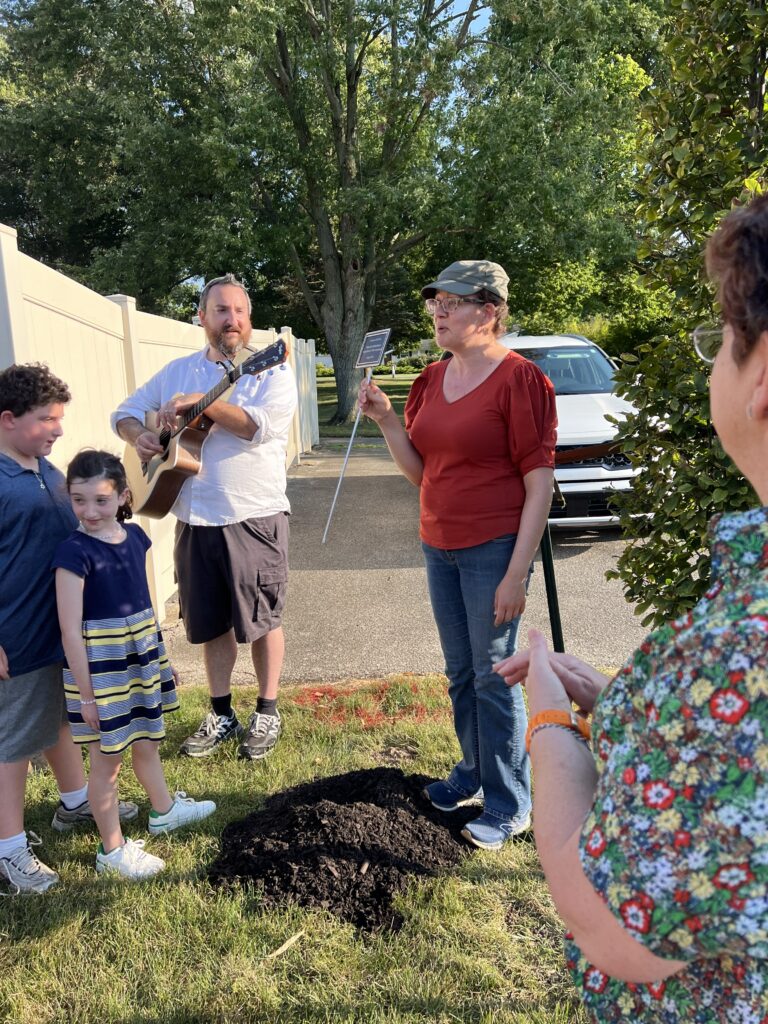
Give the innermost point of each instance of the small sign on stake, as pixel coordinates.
(372, 350)
(372, 353)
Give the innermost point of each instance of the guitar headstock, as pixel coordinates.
(266, 358)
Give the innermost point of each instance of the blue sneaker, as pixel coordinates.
(490, 833)
(444, 797)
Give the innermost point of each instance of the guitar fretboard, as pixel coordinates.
(208, 398)
(256, 363)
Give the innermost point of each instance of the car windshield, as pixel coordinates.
(573, 371)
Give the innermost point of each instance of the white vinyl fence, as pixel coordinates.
(103, 347)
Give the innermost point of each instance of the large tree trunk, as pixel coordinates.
(345, 336)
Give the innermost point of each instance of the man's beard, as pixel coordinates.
(226, 345)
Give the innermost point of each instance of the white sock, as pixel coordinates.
(13, 843)
(75, 798)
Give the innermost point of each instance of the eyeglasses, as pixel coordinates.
(449, 305)
(707, 341)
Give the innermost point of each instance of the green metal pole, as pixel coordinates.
(548, 565)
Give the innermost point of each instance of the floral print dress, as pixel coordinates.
(676, 841)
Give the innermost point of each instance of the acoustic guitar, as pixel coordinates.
(155, 485)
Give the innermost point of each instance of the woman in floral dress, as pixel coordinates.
(655, 842)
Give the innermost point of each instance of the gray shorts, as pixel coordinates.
(232, 577)
(32, 712)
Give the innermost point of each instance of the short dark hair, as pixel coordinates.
(226, 279)
(27, 386)
(737, 260)
(502, 309)
(90, 463)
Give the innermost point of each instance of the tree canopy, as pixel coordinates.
(332, 152)
(705, 146)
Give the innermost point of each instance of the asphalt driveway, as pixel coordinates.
(358, 605)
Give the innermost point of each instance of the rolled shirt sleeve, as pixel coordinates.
(239, 478)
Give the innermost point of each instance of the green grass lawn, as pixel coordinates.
(396, 387)
(481, 944)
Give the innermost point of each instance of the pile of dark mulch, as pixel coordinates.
(347, 843)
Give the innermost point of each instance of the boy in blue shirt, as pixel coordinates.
(35, 515)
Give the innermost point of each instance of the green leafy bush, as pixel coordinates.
(612, 308)
(685, 478)
(323, 371)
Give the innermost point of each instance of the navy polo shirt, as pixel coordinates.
(33, 522)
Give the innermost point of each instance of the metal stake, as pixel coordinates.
(368, 375)
(548, 565)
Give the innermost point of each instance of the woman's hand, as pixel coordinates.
(543, 686)
(373, 402)
(5, 671)
(176, 676)
(509, 600)
(581, 682)
(90, 715)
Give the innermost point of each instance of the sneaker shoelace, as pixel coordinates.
(211, 725)
(26, 862)
(134, 852)
(260, 724)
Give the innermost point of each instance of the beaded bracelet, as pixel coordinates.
(556, 725)
(83, 702)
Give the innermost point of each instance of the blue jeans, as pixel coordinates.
(489, 716)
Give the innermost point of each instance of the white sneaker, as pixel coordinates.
(129, 860)
(184, 811)
(24, 871)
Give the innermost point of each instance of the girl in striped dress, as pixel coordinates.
(117, 678)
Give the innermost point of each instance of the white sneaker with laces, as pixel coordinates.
(130, 860)
(184, 811)
(25, 872)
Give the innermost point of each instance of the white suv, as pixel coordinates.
(583, 378)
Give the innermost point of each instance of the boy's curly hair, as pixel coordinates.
(27, 386)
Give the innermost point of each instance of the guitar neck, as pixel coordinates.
(208, 398)
(254, 364)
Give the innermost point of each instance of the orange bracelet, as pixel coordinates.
(564, 719)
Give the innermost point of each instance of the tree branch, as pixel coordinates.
(306, 291)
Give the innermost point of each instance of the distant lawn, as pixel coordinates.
(479, 944)
(396, 387)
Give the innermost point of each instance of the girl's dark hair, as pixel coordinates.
(90, 463)
(737, 259)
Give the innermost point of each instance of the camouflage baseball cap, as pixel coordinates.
(465, 277)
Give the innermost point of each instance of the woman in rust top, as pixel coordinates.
(479, 443)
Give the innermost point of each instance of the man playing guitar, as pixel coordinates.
(231, 544)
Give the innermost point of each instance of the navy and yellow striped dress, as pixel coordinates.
(130, 672)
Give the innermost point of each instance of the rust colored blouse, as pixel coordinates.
(477, 450)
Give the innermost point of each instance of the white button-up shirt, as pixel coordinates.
(238, 479)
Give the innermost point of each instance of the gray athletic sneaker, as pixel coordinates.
(24, 871)
(212, 732)
(64, 820)
(261, 737)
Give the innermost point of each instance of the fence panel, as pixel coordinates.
(104, 348)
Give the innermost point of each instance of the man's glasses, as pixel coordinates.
(707, 341)
(449, 305)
